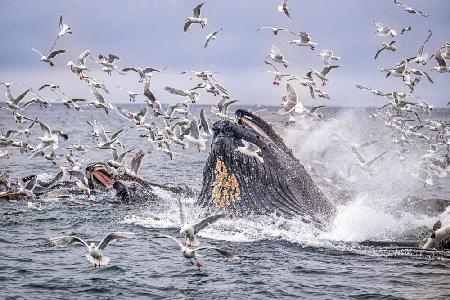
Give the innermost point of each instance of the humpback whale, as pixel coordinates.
(276, 184)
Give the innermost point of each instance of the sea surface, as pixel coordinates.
(278, 258)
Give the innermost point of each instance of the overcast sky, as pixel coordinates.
(150, 34)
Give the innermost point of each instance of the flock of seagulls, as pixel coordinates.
(401, 113)
(409, 117)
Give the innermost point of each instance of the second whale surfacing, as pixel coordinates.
(239, 184)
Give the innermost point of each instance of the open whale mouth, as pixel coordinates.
(99, 176)
(248, 120)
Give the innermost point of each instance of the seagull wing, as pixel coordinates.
(97, 95)
(148, 70)
(209, 220)
(227, 104)
(169, 237)
(440, 60)
(327, 69)
(358, 155)
(129, 69)
(124, 113)
(21, 96)
(137, 160)
(378, 52)
(370, 162)
(56, 52)
(82, 57)
(194, 131)
(197, 10)
(67, 240)
(45, 129)
(204, 122)
(225, 253)
(98, 128)
(175, 91)
(148, 93)
(113, 236)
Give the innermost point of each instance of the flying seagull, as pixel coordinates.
(95, 256)
(191, 253)
(188, 231)
(196, 18)
(212, 36)
(48, 58)
(284, 8)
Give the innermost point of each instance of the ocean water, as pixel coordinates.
(278, 258)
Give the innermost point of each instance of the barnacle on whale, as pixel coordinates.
(225, 188)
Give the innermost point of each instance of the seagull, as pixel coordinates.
(362, 163)
(138, 117)
(278, 75)
(276, 55)
(83, 56)
(284, 8)
(382, 30)
(204, 123)
(194, 136)
(419, 73)
(77, 69)
(275, 30)
(104, 141)
(321, 75)
(386, 46)
(292, 104)
(305, 40)
(48, 58)
(439, 233)
(188, 231)
(14, 102)
(196, 18)
(411, 10)
(107, 62)
(191, 253)
(50, 137)
(442, 64)
(212, 36)
(63, 28)
(322, 94)
(446, 53)
(251, 150)
(326, 56)
(411, 84)
(409, 28)
(37, 99)
(144, 74)
(399, 70)
(221, 110)
(51, 86)
(192, 95)
(131, 94)
(98, 102)
(95, 257)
